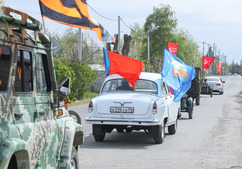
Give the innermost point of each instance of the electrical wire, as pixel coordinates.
(101, 15)
(127, 25)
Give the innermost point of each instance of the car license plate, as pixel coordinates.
(121, 109)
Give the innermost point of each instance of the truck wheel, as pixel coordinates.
(211, 94)
(99, 138)
(190, 114)
(172, 128)
(198, 100)
(160, 135)
(12, 163)
(74, 163)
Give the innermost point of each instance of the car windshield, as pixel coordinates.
(212, 79)
(141, 85)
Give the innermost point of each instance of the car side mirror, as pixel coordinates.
(64, 87)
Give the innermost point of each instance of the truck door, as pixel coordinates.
(23, 106)
(45, 112)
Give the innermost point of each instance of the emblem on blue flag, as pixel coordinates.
(177, 74)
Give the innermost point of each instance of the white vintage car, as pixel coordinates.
(149, 106)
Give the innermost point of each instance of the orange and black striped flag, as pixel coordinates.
(73, 13)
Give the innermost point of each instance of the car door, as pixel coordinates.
(172, 109)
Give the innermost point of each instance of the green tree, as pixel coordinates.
(84, 78)
(165, 18)
(67, 63)
(187, 49)
(137, 45)
(1, 4)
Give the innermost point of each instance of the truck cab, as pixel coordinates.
(35, 130)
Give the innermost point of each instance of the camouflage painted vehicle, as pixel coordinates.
(35, 131)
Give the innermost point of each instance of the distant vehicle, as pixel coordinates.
(235, 74)
(216, 84)
(149, 107)
(196, 85)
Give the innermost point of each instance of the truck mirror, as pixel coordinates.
(64, 87)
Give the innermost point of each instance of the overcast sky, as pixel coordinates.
(216, 21)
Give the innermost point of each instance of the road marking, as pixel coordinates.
(87, 135)
(227, 80)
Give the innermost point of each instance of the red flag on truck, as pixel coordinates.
(126, 67)
(207, 61)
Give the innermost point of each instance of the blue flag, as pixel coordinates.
(177, 74)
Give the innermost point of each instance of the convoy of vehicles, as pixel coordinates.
(149, 106)
(35, 131)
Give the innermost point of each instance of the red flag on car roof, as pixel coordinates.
(73, 13)
(126, 67)
(172, 47)
(207, 61)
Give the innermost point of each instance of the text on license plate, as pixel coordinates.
(121, 109)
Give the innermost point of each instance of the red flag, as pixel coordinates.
(207, 61)
(172, 47)
(219, 66)
(126, 67)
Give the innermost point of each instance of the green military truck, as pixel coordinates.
(196, 85)
(35, 130)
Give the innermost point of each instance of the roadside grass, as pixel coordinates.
(85, 99)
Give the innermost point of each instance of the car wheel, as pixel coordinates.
(198, 100)
(160, 135)
(220, 93)
(120, 130)
(172, 128)
(98, 133)
(129, 130)
(99, 138)
(74, 163)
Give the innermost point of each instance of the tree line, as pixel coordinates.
(67, 63)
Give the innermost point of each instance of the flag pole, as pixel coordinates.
(43, 21)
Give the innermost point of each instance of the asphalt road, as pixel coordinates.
(211, 140)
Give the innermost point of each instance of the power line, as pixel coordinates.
(101, 15)
(111, 19)
(127, 26)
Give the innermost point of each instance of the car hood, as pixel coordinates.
(139, 101)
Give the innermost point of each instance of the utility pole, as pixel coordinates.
(148, 39)
(80, 44)
(119, 34)
(203, 47)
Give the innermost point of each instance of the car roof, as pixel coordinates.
(143, 75)
(213, 77)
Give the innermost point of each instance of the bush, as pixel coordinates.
(81, 76)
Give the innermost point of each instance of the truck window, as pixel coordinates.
(42, 74)
(24, 73)
(5, 57)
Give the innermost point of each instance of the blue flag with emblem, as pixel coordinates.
(177, 74)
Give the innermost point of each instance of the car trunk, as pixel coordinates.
(126, 104)
(212, 83)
